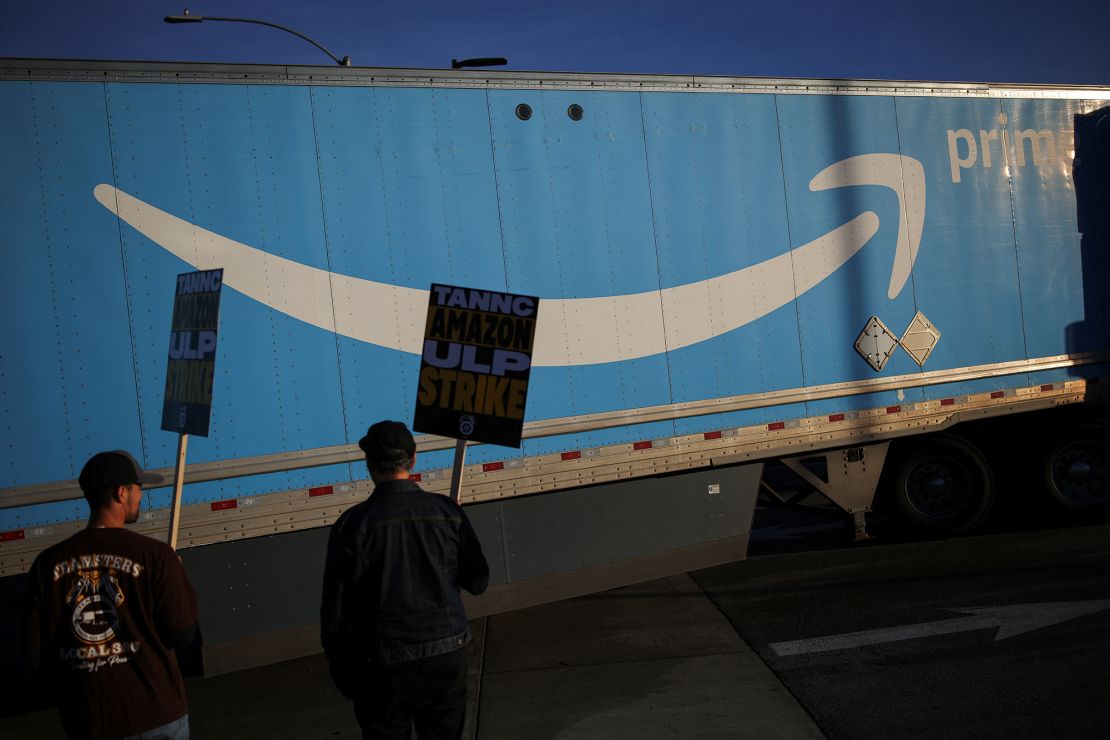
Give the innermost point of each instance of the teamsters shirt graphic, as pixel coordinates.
(102, 609)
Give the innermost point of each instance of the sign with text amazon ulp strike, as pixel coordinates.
(187, 406)
(475, 364)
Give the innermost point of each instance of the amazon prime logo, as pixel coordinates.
(1046, 147)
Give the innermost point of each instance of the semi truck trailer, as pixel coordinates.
(894, 290)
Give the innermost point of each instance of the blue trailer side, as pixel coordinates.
(708, 253)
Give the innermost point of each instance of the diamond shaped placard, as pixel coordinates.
(920, 339)
(876, 343)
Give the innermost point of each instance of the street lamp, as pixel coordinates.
(186, 17)
(478, 62)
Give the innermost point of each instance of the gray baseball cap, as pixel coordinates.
(113, 469)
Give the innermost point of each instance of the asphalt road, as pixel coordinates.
(871, 639)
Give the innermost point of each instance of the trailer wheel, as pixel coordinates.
(942, 486)
(1077, 474)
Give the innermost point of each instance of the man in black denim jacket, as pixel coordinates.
(392, 622)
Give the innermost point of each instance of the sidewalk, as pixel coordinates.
(646, 661)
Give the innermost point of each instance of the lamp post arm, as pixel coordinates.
(344, 62)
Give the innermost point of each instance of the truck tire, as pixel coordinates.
(941, 486)
(1076, 473)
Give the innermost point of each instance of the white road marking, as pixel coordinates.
(1010, 620)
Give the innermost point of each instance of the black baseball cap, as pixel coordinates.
(114, 469)
(388, 442)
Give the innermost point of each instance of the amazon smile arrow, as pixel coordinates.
(570, 331)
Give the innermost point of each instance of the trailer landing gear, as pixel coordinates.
(850, 482)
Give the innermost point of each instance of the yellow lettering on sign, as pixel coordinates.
(462, 391)
(190, 381)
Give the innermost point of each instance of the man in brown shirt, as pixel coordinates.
(107, 611)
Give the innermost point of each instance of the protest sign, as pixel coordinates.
(187, 404)
(475, 364)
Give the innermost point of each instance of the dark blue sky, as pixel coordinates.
(971, 40)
